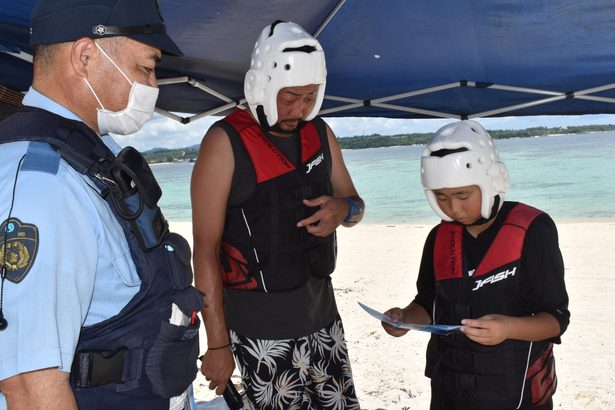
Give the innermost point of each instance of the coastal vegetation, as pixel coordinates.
(159, 155)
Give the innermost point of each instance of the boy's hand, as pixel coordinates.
(488, 330)
(397, 315)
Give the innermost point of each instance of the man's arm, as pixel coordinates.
(334, 209)
(210, 187)
(341, 180)
(41, 389)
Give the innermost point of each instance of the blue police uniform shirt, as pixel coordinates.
(81, 273)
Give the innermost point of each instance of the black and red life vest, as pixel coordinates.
(467, 374)
(262, 248)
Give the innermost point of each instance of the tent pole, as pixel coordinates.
(322, 26)
(201, 86)
(174, 80)
(21, 55)
(379, 102)
(342, 99)
(557, 96)
(595, 98)
(429, 113)
(341, 108)
(218, 109)
(516, 107)
(417, 92)
(595, 89)
(515, 89)
(170, 115)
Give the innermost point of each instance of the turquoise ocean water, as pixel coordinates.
(572, 177)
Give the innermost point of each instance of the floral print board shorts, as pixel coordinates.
(311, 372)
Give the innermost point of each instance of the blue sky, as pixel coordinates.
(162, 132)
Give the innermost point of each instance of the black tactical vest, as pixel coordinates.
(135, 359)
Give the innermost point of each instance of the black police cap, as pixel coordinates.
(59, 21)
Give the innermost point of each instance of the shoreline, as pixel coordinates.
(390, 137)
(377, 265)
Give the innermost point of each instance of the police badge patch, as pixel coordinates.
(18, 248)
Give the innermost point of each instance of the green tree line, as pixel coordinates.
(159, 155)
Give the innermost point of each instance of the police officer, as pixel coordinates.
(96, 307)
(269, 190)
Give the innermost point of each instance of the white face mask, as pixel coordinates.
(140, 107)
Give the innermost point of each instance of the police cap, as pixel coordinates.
(59, 21)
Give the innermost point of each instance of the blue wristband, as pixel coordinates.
(353, 209)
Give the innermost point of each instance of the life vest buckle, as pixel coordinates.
(466, 381)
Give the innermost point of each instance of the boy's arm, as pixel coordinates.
(418, 310)
(494, 329)
(545, 288)
(545, 266)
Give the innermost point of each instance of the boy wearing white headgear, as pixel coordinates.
(493, 267)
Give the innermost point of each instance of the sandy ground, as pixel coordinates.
(377, 265)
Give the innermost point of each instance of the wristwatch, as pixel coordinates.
(353, 209)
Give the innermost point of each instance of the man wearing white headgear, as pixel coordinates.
(269, 189)
(493, 267)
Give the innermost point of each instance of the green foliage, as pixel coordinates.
(170, 155)
(376, 140)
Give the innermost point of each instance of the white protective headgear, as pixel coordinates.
(478, 164)
(284, 55)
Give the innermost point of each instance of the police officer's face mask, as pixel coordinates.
(140, 107)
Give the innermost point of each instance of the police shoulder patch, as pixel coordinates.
(18, 248)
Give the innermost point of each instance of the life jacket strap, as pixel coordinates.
(467, 381)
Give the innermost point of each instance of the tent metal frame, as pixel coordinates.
(383, 102)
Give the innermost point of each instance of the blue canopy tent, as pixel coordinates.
(392, 58)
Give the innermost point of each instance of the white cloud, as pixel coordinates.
(162, 132)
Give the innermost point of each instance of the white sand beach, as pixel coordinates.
(377, 265)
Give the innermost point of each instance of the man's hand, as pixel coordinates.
(397, 315)
(325, 220)
(488, 330)
(217, 367)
